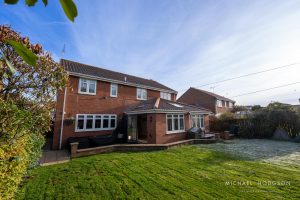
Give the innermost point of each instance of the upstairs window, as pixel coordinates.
(165, 95)
(87, 86)
(227, 103)
(113, 90)
(141, 94)
(219, 103)
(223, 103)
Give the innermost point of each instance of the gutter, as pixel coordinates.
(62, 119)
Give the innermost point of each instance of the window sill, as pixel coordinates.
(86, 93)
(113, 96)
(174, 132)
(91, 130)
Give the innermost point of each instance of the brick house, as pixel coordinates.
(98, 101)
(214, 102)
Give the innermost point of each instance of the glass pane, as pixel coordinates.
(139, 94)
(105, 121)
(144, 94)
(202, 122)
(89, 122)
(98, 122)
(113, 91)
(198, 123)
(181, 123)
(112, 123)
(83, 87)
(80, 124)
(175, 121)
(92, 87)
(169, 121)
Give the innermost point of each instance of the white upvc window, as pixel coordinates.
(230, 105)
(198, 121)
(219, 103)
(141, 94)
(95, 122)
(165, 95)
(175, 123)
(87, 86)
(113, 90)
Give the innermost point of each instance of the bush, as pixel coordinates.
(265, 121)
(19, 147)
(26, 100)
(221, 123)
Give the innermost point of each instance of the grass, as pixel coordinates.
(184, 173)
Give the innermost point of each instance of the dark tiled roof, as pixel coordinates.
(159, 104)
(211, 94)
(80, 68)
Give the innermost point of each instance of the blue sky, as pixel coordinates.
(180, 43)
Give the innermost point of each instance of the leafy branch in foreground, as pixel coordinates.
(70, 10)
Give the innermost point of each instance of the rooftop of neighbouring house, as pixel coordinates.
(159, 105)
(77, 69)
(196, 90)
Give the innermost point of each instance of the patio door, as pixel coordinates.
(132, 128)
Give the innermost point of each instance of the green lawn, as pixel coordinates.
(183, 173)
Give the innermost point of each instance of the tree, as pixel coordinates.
(26, 99)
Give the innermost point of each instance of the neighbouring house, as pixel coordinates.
(214, 102)
(98, 101)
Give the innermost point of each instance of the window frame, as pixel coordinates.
(179, 117)
(219, 103)
(89, 81)
(199, 118)
(94, 122)
(111, 87)
(141, 90)
(165, 95)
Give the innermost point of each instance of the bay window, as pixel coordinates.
(87, 86)
(95, 122)
(175, 123)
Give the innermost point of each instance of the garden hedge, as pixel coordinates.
(19, 147)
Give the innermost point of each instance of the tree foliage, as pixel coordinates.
(26, 100)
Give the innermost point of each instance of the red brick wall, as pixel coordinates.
(101, 103)
(157, 130)
(198, 98)
(223, 109)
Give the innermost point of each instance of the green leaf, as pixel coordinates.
(30, 2)
(11, 1)
(10, 66)
(29, 57)
(45, 2)
(69, 8)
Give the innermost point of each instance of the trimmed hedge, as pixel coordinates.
(20, 147)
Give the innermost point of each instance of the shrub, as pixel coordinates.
(221, 123)
(26, 99)
(19, 147)
(265, 121)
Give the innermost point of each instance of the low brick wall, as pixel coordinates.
(75, 152)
